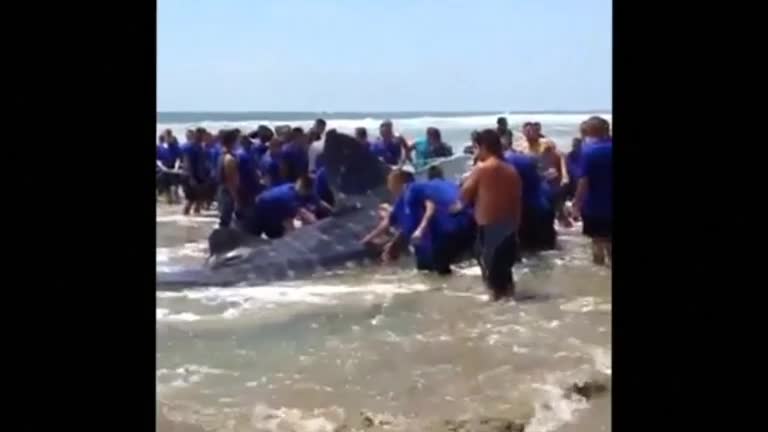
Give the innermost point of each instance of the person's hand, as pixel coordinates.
(367, 239)
(456, 207)
(387, 255)
(416, 237)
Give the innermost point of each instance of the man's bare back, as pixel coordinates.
(496, 190)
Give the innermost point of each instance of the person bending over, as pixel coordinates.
(495, 189)
(276, 208)
(441, 234)
(394, 217)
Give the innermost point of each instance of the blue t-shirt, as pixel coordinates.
(212, 154)
(597, 168)
(398, 218)
(249, 177)
(323, 188)
(389, 151)
(573, 165)
(279, 204)
(269, 166)
(259, 149)
(444, 194)
(168, 154)
(534, 193)
(297, 159)
(198, 165)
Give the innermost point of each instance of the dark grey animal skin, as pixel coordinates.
(330, 244)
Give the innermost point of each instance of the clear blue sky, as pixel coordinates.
(383, 55)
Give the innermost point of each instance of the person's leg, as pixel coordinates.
(226, 209)
(190, 196)
(598, 251)
(501, 279)
(479, 249)
(442, 254)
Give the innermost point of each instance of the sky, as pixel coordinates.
(384, 55)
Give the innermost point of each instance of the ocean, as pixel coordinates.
(455, 127)
(382, 348)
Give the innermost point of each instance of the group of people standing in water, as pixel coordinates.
(508, 203)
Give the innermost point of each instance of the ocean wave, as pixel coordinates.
(408, 124)
(234, 302)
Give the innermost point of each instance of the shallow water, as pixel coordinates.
(416, 349)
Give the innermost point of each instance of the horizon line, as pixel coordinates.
(573, 111)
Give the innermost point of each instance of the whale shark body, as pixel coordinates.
(330, 244)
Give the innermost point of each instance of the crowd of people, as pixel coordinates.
(517, 190)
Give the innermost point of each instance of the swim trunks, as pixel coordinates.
(496, 253)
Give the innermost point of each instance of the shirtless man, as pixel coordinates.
(495, 189)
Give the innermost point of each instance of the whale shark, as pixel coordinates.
(358, 180)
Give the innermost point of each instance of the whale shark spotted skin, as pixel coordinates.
(330, 244)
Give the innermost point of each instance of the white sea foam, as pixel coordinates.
(552, 409)
(559, 125)
(241, 299)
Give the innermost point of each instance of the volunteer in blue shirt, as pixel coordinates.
(537, 230)
(197, 175)
(594, 193)
(388, 147)
(276, 208)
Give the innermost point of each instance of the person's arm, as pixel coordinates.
(379, 230)
(306, 217)
(429, 211)
(288, 225)
(517, 196)
(564, 168)
(469, 187)
(581, 193)
(160, 165)
(232, 178)
(392, 247)
(407, 150)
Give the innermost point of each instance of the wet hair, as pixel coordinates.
(386, 122)
(228, 137)
(162, 138)
(501, 120)
(297, 132)
(599, 124)
(306, 182)
(434, 172)
(320, 122)
(434, 133)
(473, 136)
(489, 140)
(361, 132)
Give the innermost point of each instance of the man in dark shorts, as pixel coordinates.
(495, 189)
(196, 171)
(594, 193)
